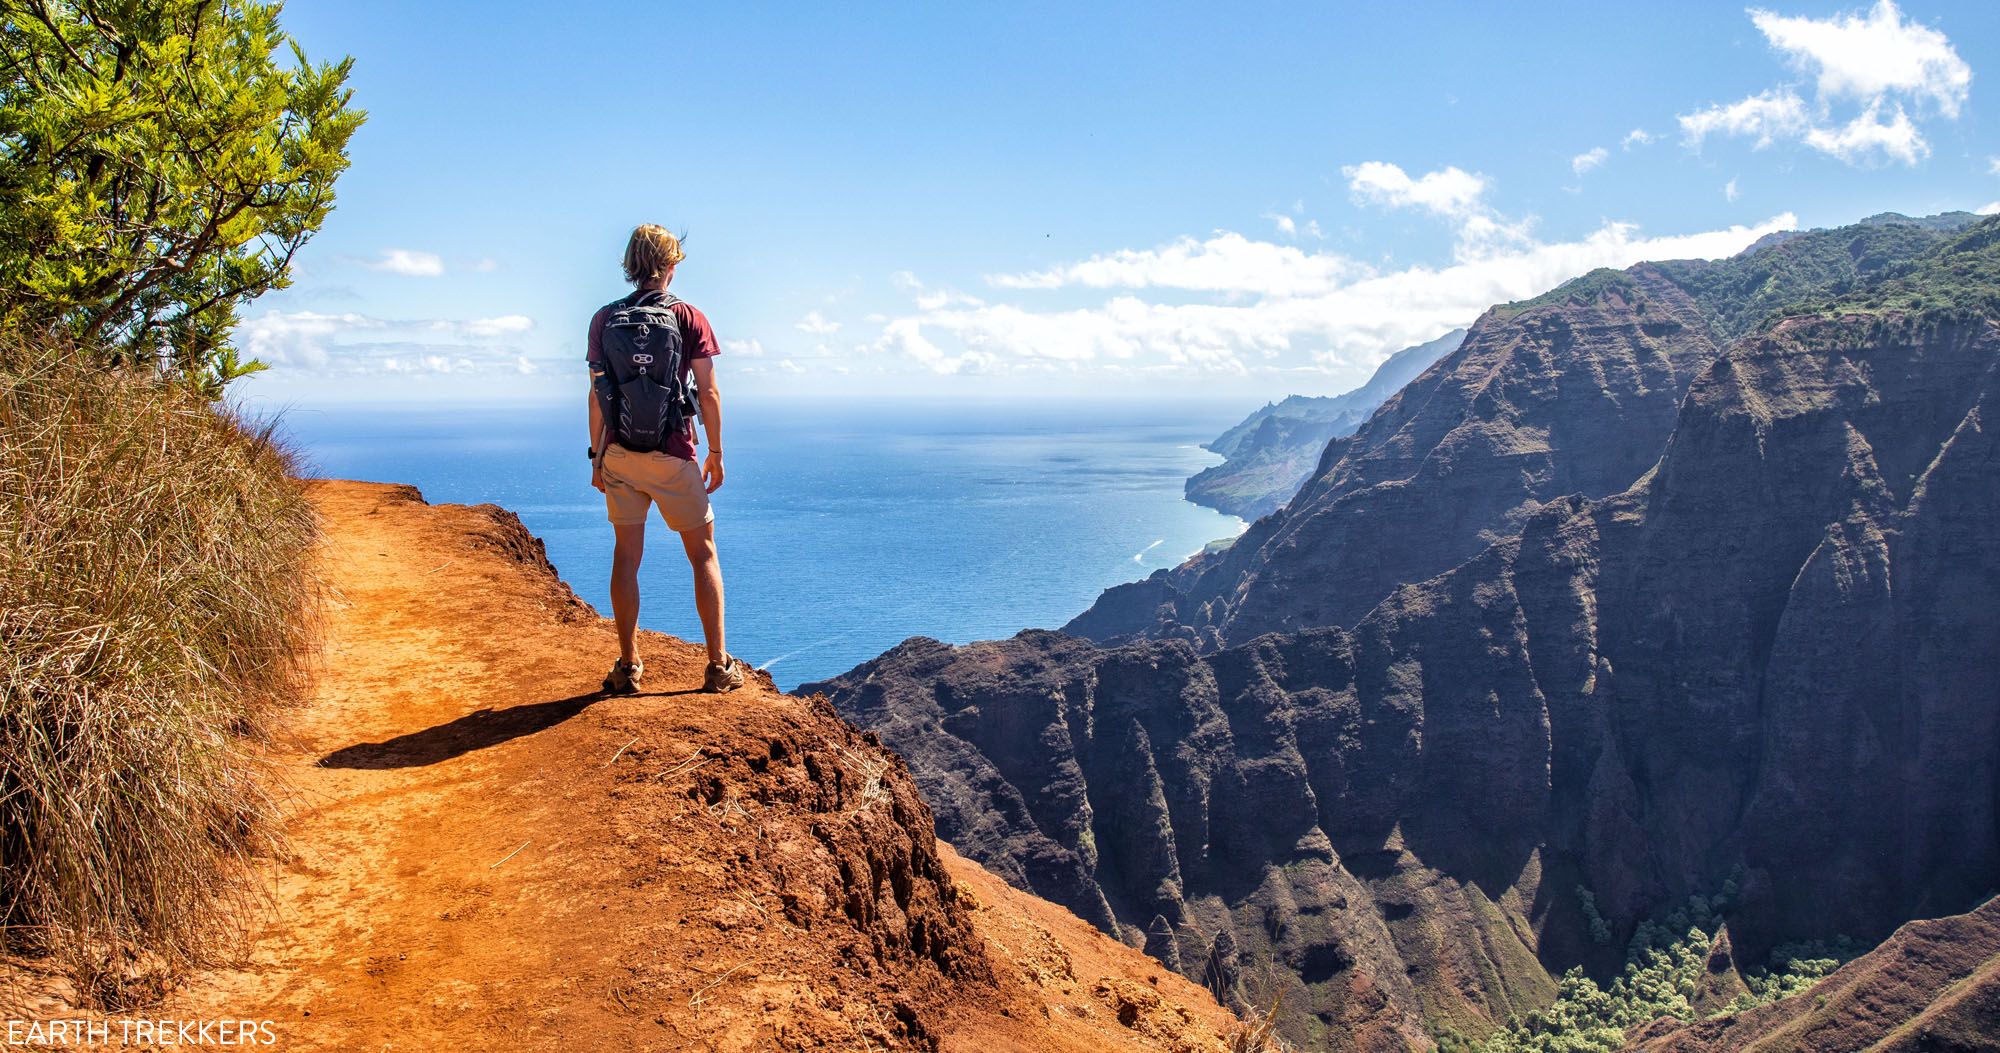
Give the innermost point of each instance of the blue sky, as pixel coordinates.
(973, 201)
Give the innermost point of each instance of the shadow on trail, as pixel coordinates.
(474, 731)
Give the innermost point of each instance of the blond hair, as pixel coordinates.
(652, 251)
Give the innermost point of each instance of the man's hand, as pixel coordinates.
(597, 477)
(711, 471)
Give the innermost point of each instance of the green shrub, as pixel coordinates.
(1600, 930)
(161, 162)
(156, 601)
(1664, 966)
(1794, 968)
(1658, 981)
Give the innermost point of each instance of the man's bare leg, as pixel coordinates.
(700, 545)
(630, 546)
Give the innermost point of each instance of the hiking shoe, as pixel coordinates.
(725, 677)
(624, 677)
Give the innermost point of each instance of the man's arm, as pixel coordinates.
(593, 356)
(596, 440)
(711, 422)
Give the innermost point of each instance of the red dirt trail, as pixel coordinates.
(487, 854)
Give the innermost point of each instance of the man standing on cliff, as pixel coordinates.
(651, 372)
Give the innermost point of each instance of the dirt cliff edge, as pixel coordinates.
(486, 849)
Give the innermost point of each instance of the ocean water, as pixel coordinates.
(843, 529)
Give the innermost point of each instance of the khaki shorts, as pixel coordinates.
(632, 481)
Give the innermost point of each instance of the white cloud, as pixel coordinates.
(1729, 191)
(1993, 166)
(485, 265)
(906, 335)
(408, 262)
(357, 344)
(816, 324)
(1286, 225)
(298, 337)
(1890, 71)
(1226, 262)
(1490, 234)
(1449, 191)
(742, 348)
(1865, 58)
(936, 298)
(488, 328)
(1775, 114)
(1859, 139)
(1988, 209)
(1637, 137)
(927, 299)
(1588, 160)
(1342, 318)
(409, 364)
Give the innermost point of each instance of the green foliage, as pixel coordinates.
(1773, 277)
(1600, 930)
(1592, 286)
(1658, 981)
(1699, 914)
(1664, 964)
(1961, 275)
(161, 162)
(1795, 967)
(1746, 290)
(223, 367)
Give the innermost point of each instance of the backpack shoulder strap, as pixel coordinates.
(652, 298)
(615, 368)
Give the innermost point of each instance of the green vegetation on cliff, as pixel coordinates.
(1678, 966)
(1771, 277)
(1585, 288)
(1747, 290)
(1960, 275)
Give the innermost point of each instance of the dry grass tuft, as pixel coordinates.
(157, 599)
(1258, 1033)
(1258, 1030)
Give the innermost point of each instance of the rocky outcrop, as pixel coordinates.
(1573, 392)
(1271, 452)
(1768, 659)
(1182, 802)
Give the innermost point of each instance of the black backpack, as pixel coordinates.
(641, 384)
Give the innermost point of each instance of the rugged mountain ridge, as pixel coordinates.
(1272, 451)
(1763, 662)
(1573, 392)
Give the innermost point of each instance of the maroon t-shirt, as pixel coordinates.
(697, 341)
